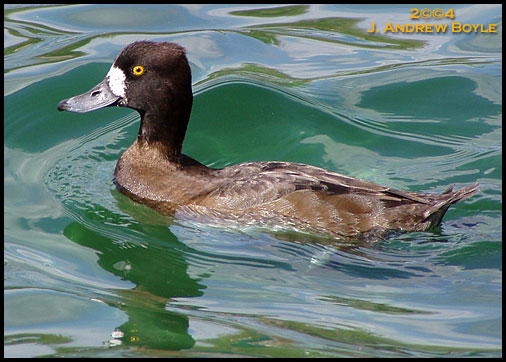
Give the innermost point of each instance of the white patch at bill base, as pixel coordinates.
(116, 80)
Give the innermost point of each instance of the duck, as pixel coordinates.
(154, 78)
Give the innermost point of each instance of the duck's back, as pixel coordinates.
(311, 198)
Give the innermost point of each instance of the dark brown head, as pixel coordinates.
(153, 78)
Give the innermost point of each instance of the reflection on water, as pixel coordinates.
(159, 274)
(88, 272)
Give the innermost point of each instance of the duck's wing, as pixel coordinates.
(252, 183)
(325, 200)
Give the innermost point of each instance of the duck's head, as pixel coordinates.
(154, 78)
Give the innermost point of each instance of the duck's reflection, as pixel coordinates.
(156, 265)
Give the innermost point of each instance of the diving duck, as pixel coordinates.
(154, 78)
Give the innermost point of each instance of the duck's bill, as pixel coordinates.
(98, 97)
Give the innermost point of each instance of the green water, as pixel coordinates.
(89, 273)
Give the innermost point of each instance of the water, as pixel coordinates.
(89, 273)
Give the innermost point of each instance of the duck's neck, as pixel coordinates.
(163, 129)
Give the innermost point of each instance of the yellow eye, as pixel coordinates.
(138, 70)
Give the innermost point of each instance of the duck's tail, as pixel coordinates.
(448, 197)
